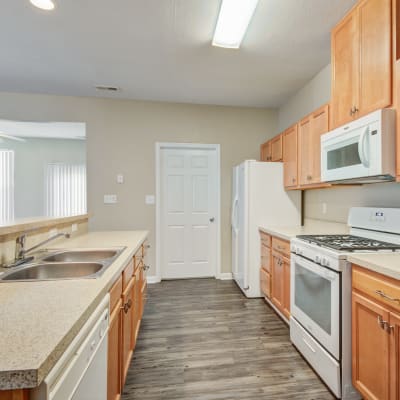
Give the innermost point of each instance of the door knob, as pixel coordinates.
(212, 219)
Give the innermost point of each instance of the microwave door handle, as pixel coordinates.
(361, 147)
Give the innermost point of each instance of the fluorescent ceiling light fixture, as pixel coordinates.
(43, 4)
(233, 20)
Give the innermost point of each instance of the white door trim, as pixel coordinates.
(164, 145)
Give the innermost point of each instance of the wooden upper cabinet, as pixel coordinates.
(310, 130)
(345, 69)
(265, 151)
(375, 31)
(290, 157)
(362, 61)
(276, 148)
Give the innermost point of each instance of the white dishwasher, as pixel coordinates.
(81, 372)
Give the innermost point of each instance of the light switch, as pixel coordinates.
(74, 227)
(150, 199)
(110, 199)
(120, 178)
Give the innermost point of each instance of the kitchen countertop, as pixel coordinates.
(387, 264)
(40, 319)
(311, 227)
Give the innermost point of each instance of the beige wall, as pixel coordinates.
(121, 137)
(337, 201)
(311, 96)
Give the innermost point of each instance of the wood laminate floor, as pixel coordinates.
(201, 339)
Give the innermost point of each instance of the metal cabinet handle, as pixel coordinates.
(309, 177)
(146, 267)
(381, 322)
(385, 296)
(147, 246)
(389, 328)
(127, 306)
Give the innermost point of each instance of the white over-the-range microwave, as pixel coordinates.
(362, 151)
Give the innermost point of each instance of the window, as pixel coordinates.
(6, 186)
(65, 189)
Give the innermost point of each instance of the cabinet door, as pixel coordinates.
(319, 126)
(306, 151)
(370, 348)
(127, 327)
(277, 279)
(290, 157)
(114, 354)
(136, 307)
(345, 69)
(265, 257)
(375, 22)
(276, 148)
(265, 282)
(265, 151)
(394, 330)
(286, 287)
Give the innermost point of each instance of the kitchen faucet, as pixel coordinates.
(20, 251)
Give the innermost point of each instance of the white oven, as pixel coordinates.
(362, 151)
(315, 301)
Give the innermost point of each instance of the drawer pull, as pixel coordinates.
(385, 296)
(127, 306)
(381, 322)
(308, 345)
(146, 267)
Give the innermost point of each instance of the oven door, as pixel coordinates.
(350, 154)
(315, 302)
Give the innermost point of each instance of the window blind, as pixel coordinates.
(6, 186)
(65, 189)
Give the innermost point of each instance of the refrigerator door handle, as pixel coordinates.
(233, 217)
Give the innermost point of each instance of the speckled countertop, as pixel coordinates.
(40, 319)
(311, 227)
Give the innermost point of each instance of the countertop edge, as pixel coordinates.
(372, 266)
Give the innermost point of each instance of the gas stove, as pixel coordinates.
(320, 302)
(350, 243)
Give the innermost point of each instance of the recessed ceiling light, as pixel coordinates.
(108, 88)
(233, 20)
(43, 4)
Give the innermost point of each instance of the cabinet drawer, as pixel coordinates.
(265, 282)
(115, 293)
(281, 246)
(377, 286)
(265, 239)
(127, 274)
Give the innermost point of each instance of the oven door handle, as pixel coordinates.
(361, 147)
(316, 268)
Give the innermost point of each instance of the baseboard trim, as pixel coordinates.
(153, 279)
(225, 276)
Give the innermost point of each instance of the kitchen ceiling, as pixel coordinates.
(161, 50)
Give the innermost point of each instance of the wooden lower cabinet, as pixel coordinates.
(265, 282)
(371, 344)
(127, 327)
(275, 272)
(114, 353)
(375, 336)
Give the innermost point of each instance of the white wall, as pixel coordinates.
(337, 200)
(120, 139)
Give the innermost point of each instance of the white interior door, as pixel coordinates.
(189, 197)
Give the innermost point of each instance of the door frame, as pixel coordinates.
(190, 146)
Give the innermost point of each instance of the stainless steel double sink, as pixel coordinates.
(65, 264)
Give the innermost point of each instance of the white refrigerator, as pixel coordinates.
(258, 199)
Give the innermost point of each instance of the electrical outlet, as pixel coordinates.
(74, 227)
(324, 208)
(120, 178)
(110, 199)
(150, 199)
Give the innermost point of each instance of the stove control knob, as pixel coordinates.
(325, 262)
(317, 259)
